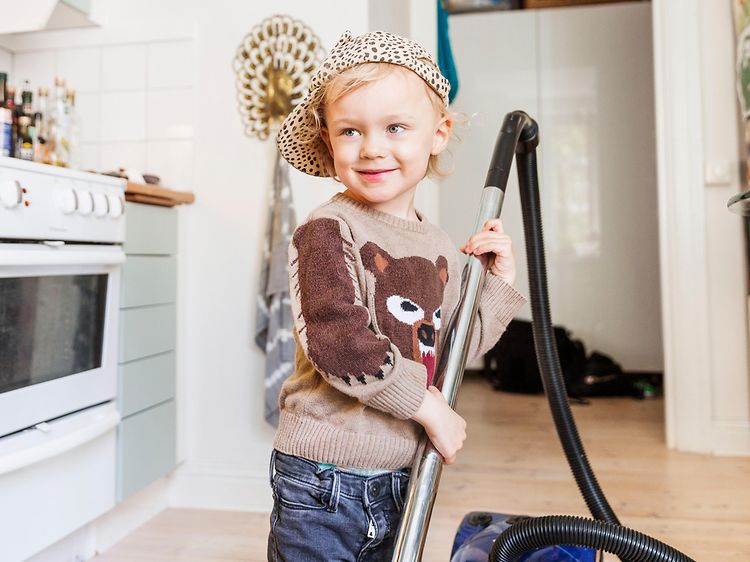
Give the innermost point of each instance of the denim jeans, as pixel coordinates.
(332, 515)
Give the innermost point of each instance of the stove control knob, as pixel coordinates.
(116, 207)
(85, 202)
(68, 201)
(101, 207)
(10, 193)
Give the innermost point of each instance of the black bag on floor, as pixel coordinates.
(511, 365)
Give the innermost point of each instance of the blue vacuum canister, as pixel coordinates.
(479, 529)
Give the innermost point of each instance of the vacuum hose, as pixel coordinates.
(565, 529)
(544, 342)
(606, 533)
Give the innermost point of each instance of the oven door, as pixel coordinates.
(59, 316)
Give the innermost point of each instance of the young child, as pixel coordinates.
(372, 284)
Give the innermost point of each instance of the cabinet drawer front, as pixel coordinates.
(146, 331)
(150, 229)
(148, 280)
(146, 382)
(146, 448)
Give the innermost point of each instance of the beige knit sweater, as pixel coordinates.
(370, 294)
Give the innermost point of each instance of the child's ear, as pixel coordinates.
(326, 138)
(442, 134)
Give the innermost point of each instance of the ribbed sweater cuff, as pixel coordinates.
(403, 397)
(500, 299)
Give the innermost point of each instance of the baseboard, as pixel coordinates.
(76, 547)
(131, 513)
(204, 485)
(731, 438)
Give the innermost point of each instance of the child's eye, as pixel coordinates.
(395, 128)
(349, 132)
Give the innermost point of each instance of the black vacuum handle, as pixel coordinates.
(519, 133)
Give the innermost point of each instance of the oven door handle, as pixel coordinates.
(38, 254)
(23, 458)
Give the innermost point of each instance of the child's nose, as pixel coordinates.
(372, 148)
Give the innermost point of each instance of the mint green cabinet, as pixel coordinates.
(147, 435)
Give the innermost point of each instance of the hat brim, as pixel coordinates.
(299, 140)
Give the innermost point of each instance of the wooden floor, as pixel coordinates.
(512, 463)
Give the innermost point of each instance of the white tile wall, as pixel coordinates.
(172, 161)
(169, 114)
(90, 156)
(38, 67)
(6, 61)
(81, 68)
(170, 64)
(124, 68)
(123, 116)
(89, 109)
(115, 155)
(135, 102)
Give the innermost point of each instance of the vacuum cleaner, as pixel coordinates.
(506, 538)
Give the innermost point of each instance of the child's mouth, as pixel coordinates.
(374, 175)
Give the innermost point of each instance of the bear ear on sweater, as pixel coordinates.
(374, 258)
(442, 266)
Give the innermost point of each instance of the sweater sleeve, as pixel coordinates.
(497, 306)
(335, 329)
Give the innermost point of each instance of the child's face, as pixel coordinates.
(381, 137)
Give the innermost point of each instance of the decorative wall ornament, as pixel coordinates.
(273, 65)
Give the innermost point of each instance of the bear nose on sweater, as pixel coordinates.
(426, 334)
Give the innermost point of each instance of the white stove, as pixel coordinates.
(61, 234)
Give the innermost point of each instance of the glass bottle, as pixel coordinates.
(25, 146)
(26, 100)
(41, 119)
(58, 126)
(10, 105)
(6, 121)
(73, 133)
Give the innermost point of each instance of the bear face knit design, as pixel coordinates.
(408, 297)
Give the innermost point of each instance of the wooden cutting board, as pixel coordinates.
(157, 195)
(150, 199)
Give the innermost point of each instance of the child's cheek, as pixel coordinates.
(345, 150)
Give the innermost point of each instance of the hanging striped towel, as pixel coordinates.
(273, 331)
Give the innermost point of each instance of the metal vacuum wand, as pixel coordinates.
(519, 133)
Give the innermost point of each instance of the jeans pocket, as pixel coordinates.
(294, 494)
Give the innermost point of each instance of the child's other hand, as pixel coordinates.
(493, 239)
(445, 428)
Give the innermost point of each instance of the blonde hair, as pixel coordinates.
(352, 79)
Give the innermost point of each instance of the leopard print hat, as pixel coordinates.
(299, 142)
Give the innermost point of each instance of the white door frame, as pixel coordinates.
(704, 332)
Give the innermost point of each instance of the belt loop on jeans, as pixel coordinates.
(271, 467)
(333, 501)
(396, 490)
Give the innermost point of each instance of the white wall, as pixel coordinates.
(6, 60)
(585, 74)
